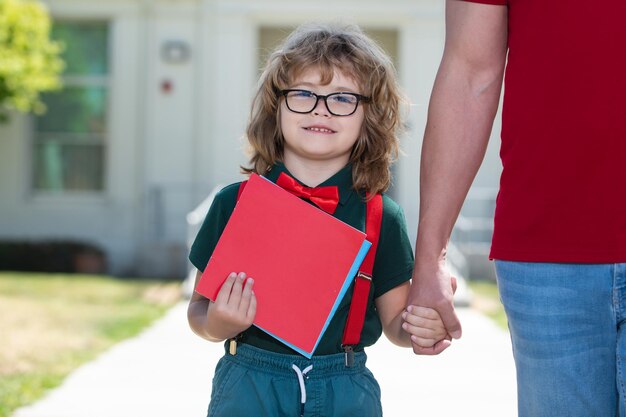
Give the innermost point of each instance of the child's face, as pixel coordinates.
(320, 135)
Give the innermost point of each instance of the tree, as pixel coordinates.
(30, 61)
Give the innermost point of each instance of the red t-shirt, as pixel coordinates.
(562, 192)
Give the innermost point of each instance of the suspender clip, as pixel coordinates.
(349, 355)
(232, 344)
(364, 276)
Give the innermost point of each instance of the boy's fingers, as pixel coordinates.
(224, 293)
(423, 342)
(419, 331)
(424, 312)
(246, 295)
(235, 293)
(251, 313)
(428, 346)
(416, 320)
(436, 349)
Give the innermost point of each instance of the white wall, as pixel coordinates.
(170, 134)
(12, 179)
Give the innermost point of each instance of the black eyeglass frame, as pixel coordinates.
(359, 98)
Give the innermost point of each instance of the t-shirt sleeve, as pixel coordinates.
(213, 226)
(393, 264)
(494, 2)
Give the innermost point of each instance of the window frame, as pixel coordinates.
(104, 81)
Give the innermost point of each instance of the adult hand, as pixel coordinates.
(435, 288)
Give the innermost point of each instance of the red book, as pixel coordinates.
(302, 260)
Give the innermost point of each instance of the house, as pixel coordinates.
(156, 98)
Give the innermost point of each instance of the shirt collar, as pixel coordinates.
(342, 179)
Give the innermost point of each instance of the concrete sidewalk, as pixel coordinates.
(166, 372)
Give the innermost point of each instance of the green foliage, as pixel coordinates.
(30, 61)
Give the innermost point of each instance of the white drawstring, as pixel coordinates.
(301, 375)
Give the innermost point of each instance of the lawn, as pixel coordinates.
(485, 299)
(52, 323)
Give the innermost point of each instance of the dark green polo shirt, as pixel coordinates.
(393, 264)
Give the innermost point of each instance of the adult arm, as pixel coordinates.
(460, 116)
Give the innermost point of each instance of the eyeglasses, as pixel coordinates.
(338, 104)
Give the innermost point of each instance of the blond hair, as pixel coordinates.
(331, 47)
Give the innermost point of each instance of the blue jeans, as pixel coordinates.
(567, 335)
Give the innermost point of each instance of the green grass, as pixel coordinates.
(52, 323)
(486, 300)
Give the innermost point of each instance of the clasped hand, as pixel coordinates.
(424, 325)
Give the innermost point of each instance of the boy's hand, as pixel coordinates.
(234, 308)
(424, 325)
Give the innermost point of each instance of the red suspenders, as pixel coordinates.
(363, 280)
(241, 187)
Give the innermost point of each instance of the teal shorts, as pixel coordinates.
(258, 383)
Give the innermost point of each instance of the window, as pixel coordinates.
(70, 138)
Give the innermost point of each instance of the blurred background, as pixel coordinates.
(154, 101)
(147, 102)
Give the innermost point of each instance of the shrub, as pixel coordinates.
(52, 256)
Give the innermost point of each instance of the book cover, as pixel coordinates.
(302, 260)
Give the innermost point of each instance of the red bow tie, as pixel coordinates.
(325, 198)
